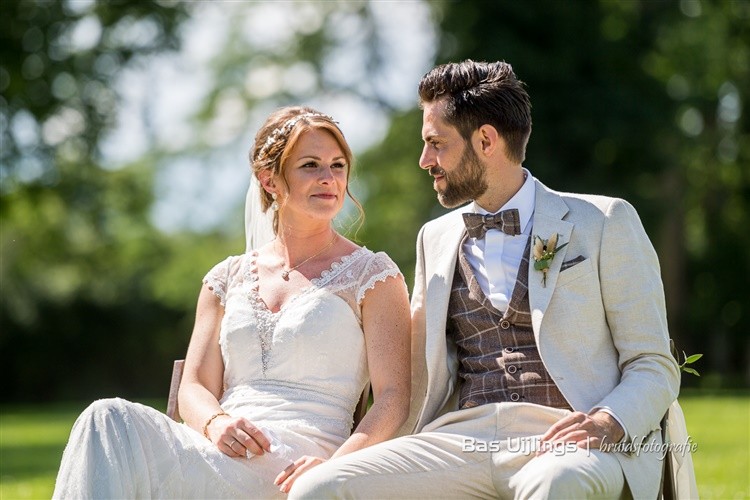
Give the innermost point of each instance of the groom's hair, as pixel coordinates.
(479, 93)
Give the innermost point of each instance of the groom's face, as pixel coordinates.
(459, 175)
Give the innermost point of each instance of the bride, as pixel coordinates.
(285, 339)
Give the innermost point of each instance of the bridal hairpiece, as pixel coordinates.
(284, 130)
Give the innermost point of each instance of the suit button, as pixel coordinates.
(515, 396)
(505, 324)
(509, 349)
(512, 369)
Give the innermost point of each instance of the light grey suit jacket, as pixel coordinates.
(600, 325)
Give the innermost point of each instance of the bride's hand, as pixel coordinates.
(287, 477)
(236, 436)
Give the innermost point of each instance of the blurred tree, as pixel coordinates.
(399, 196)
(96, 300)
(77, 244)
(635, 99)
(701, 58)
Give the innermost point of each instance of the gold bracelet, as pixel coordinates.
(205, 426)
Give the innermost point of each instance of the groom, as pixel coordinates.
(541, 354)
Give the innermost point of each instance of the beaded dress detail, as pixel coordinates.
(297, 374)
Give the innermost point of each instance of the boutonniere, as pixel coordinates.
(544, 252)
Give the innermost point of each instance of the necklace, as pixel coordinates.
(285, 273)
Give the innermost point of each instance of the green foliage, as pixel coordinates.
(398, 197)
(58, 65)
(77, 244)
(688, 360)
(71, 228)
(706, 186)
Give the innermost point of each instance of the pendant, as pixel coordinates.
(285, 275)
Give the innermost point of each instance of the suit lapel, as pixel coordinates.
(440, 277)
(446, 249)
(548, 213)
(441, 248)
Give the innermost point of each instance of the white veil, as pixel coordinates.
(258, 225)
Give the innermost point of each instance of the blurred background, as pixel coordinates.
(126, 125)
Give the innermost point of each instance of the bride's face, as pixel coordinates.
(316, 177)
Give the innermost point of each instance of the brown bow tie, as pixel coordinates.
(507, 221)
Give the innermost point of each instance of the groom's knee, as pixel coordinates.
(570, 477)
(323, 481)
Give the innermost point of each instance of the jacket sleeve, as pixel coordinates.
(418, 362)
(633, 299)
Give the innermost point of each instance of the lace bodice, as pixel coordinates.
(349, 278)
(312, 351)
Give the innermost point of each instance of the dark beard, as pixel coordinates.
(465, 183)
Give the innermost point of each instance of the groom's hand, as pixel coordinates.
(588, 431)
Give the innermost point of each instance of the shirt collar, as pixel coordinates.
(523, 200)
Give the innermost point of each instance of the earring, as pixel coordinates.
(275, 204)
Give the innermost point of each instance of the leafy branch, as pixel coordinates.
(688, 360)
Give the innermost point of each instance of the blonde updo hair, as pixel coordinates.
(276, 139)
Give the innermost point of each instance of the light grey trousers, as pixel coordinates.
(484, 452)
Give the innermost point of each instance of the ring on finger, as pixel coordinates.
(232, 445)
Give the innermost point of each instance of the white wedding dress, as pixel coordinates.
(297, 374)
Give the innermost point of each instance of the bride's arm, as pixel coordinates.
(202, 377)
(202, 382)
(386, 322)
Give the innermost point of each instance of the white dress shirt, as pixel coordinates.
(495, 258)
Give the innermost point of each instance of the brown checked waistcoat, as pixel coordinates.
(498, 356)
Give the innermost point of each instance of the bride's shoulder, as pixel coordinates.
(228, 268)
(222, 276)
(364, 255)
(376, 267)
(362, 269)
(233, 261)
(370, 263)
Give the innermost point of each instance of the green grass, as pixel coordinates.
(32, 439)
(720, 425)
(31, 444)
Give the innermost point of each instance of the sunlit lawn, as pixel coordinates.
(31, 443)
(721, 427)
(32, 440)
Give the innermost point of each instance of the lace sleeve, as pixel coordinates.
(379, 268)
(221, 276)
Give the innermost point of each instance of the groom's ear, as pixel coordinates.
(491, 143)
(489, 140)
